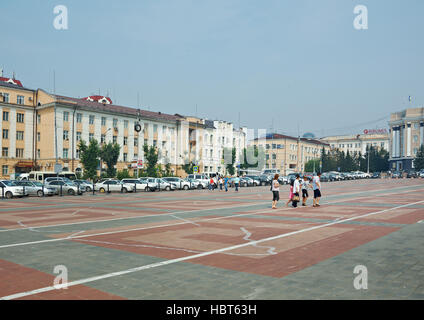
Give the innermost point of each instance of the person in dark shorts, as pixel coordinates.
(316, 185)
(275, 188)
(305, 184)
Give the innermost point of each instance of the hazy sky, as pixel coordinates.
(297, 63)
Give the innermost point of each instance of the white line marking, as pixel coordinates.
(188, 221)
(271, 250)
(200, 210)
(196, 256)
(162, 226)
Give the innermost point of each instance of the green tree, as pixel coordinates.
(252, 157)
(109, 153)
(151, 157)
(124, 174)
(168, 171)
(89, 156)
(309, 166)
(419, 159)
(188, 167)
(229, 157)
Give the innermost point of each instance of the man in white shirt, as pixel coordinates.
(296, 190)
(316, 185)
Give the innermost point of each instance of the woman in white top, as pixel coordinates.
(275, 188)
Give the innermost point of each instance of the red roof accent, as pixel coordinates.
(97, 98)
(18, 83)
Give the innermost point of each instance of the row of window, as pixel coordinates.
(19, 152)
(19, 99)
(19, 116)
(19, 134)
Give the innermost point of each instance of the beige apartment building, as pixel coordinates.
(39, 129)
(289, 154)
(358, 143)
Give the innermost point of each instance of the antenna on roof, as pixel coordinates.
(13, 77)
(1, 72)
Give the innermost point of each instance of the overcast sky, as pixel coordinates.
(296, 65)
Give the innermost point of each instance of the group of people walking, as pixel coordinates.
(223, 182)
(298, 187)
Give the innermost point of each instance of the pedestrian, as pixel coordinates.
(226, 184)
(221, 182)
(211, 184)
(296, 191)
(305, 184)
(275, 188)
(237, 182)
(291, 193)
(316, 185)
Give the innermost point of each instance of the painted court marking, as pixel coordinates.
(200, 255)
(193, 211)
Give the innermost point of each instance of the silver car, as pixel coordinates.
(66, 187)
(160, 184)
(35, 188)
(113, 185)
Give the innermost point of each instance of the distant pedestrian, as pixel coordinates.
(275, 188)
(316, 185)
(226, 184)
(221, 182)
(237, 182)
(296, 191)
(291, 193)
(305, 184)
(211, 184)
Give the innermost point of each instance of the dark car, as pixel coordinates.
(325, 177)
(376, 175)
(411, 174)
(396, 175)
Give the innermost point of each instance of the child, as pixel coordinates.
(305, 184)
(291, 193)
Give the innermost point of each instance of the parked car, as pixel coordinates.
(421, 174)
(9, 189)
(137, 184)
(246, 182)
(113, 185)
(376, 175)
(411, 174)
(325, 177)
(265, 180)
(202, 178)
(160, 184)
(66, 187)
(396, 175)
(256, 180)
(196, 184)
(86, 184)
(179, 183)
(36, 188)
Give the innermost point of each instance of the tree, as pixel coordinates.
(419, 159)
(168, 171)
(252, 157)
(89, 158)
(229, 157)
(124, 174)
(309, 166)
(109, 153)
(188, 167)
(151, 157)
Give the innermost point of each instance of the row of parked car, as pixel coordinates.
(407, 174)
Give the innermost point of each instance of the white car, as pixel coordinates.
(180, 183)
(139, 184)
(113, 185)
(35, 188)
(9, 189)
(160, 184)
(204, 180)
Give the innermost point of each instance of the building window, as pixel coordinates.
(155, 143)
(78, 136)
(19, 153)
(5, 115)
(115, 138)
(125, 141)
(125, 124)
(5, 152)
(77, 154)
(65, 116)
(90, 136)
(274, 156)
(20, 100)
(115, 123)
(415, 151)
(65, 153)
(65, 135)
(125, 157)
(135, 156)
(91, 119)
(38, 153)
(155, 128)
(145, 141)
(103, 121)
(38, 118)
(102, 138)
(135, 142)
(267, 156)
(5, 134)
(20, 117)
(79, 117)
(6, 97)
(5, 170)
(19, 135)
(415, 138)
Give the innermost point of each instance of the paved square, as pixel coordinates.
(217, 245)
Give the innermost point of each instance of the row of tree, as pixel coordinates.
(376, 160)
